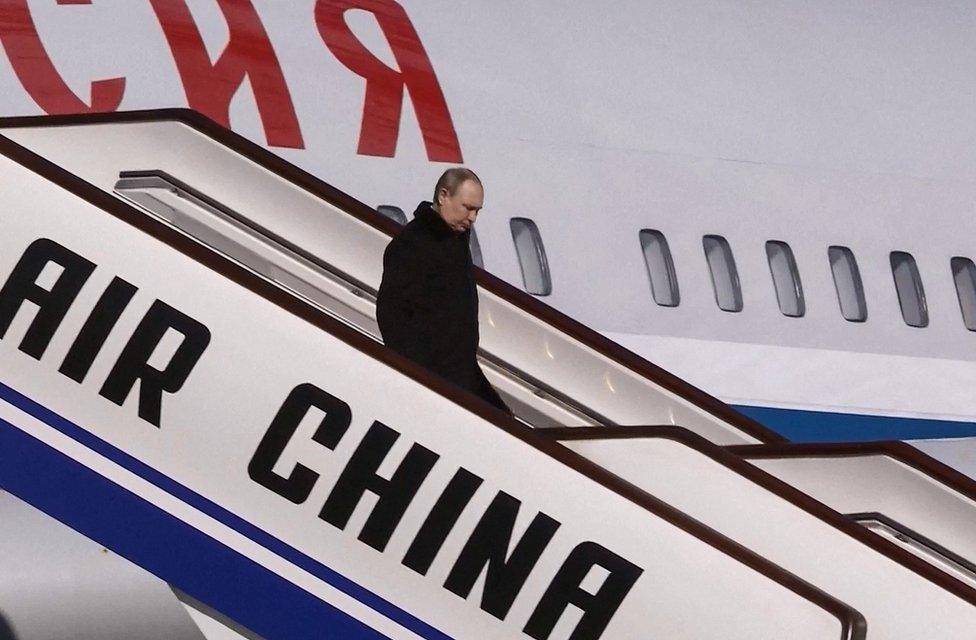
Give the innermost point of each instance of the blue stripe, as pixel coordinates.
(116, 527)
(822, 426)
(179, 554)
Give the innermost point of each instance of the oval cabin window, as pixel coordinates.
(660, 268)
(964, 275)
(475, 247)
(395, 214)
(911, 294)
(786, 279)
(847, 282)
(725, 277)
(531, 256)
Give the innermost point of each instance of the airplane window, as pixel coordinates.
(660, 268)
(911, 295)
(847, 281)
(964, 274)
(532, 256)
(476, 257)
(395, 214)
(725, 277)
(786, 279)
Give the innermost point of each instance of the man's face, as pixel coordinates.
(460, 210)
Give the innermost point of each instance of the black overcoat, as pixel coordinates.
(427, 305)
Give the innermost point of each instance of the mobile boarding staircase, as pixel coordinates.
(192, 378)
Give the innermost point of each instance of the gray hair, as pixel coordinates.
(452, 179)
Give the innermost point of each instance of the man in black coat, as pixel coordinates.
(427, 306)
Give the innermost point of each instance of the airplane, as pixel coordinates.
(767, 201)
(726, 216)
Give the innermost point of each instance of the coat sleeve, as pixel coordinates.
(400, 302)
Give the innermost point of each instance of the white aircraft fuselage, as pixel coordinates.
(814, 126)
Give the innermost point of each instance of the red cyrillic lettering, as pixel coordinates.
(384, 86)
(36, 72)
(210, 86)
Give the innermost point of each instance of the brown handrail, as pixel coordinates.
(730, 458)
(931, 545)
(901, 451)
(355, 282)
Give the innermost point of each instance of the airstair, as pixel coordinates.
(191, 377)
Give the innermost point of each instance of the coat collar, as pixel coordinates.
(432, 220)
